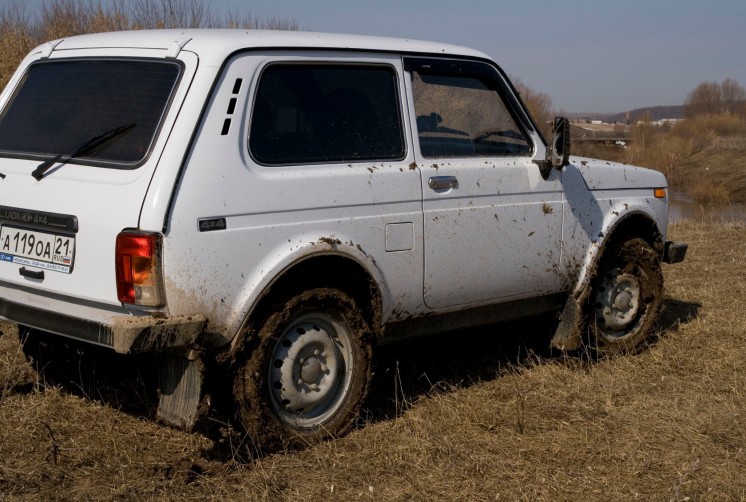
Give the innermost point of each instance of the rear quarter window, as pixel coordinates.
(317, 113)
(61, 105)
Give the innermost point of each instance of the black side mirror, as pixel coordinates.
(559, 150)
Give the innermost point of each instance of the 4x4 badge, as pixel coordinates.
(212, 224)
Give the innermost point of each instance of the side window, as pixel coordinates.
(464, 116)
(316, 113)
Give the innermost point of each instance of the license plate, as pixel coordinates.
(37, 249)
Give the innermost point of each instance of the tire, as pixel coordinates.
(306, 374)
(625, 298)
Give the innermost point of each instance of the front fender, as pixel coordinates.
(636, 217)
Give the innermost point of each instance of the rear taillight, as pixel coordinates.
(138, 268)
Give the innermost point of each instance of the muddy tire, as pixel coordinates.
(305, 371)
(625, 298)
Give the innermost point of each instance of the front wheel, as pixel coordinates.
(625, 299)
(307, 375)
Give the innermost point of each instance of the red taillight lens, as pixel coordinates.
(138, 268)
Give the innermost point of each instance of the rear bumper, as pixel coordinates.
(126, 334)
(674, 252)
(131, 334)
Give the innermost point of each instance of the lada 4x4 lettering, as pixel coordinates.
(261, 208)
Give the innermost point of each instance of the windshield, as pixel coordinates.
(60, 105)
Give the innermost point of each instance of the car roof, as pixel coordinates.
(214, 45)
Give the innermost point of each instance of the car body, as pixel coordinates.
(219, 194)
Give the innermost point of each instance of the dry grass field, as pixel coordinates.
(485, 415)
(488, 415)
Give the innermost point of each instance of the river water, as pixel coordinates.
(682, 207)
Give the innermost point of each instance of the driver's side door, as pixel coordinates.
(492, 224)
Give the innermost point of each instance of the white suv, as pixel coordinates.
(270, 205)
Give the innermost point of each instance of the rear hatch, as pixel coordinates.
(80, 138)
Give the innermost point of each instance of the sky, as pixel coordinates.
(587, 55)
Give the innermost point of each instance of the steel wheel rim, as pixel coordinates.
(310, 371)
(618, 303)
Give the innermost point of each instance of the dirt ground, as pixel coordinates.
(488, 415)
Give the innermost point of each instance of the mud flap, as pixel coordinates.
(568, 336)
(180, 403)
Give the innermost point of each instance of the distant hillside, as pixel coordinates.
(656, 113)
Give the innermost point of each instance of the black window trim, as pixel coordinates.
(330, 61)
(122, 166)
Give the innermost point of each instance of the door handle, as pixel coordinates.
(441, 182)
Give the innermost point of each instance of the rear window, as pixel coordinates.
(316, 113)
(63, 105)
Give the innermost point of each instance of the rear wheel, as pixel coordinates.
(625, 299)
(308, 372)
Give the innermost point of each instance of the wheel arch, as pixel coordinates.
(325, 269)
(637, 224)
(632, 224)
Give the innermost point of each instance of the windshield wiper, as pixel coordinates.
(89, 146)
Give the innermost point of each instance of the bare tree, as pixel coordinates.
(711, 98)
(145, 14)
(64, 18)
(538, 103)
(705, 99)
(16, 39)
(246, 20)
(733, 95)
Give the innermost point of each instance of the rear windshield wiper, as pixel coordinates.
(89, 146)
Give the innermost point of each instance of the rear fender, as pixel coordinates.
(266, 275)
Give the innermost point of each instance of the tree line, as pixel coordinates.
(712, 98)
(21, 31)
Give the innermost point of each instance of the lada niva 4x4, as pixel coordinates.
(260, 209)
